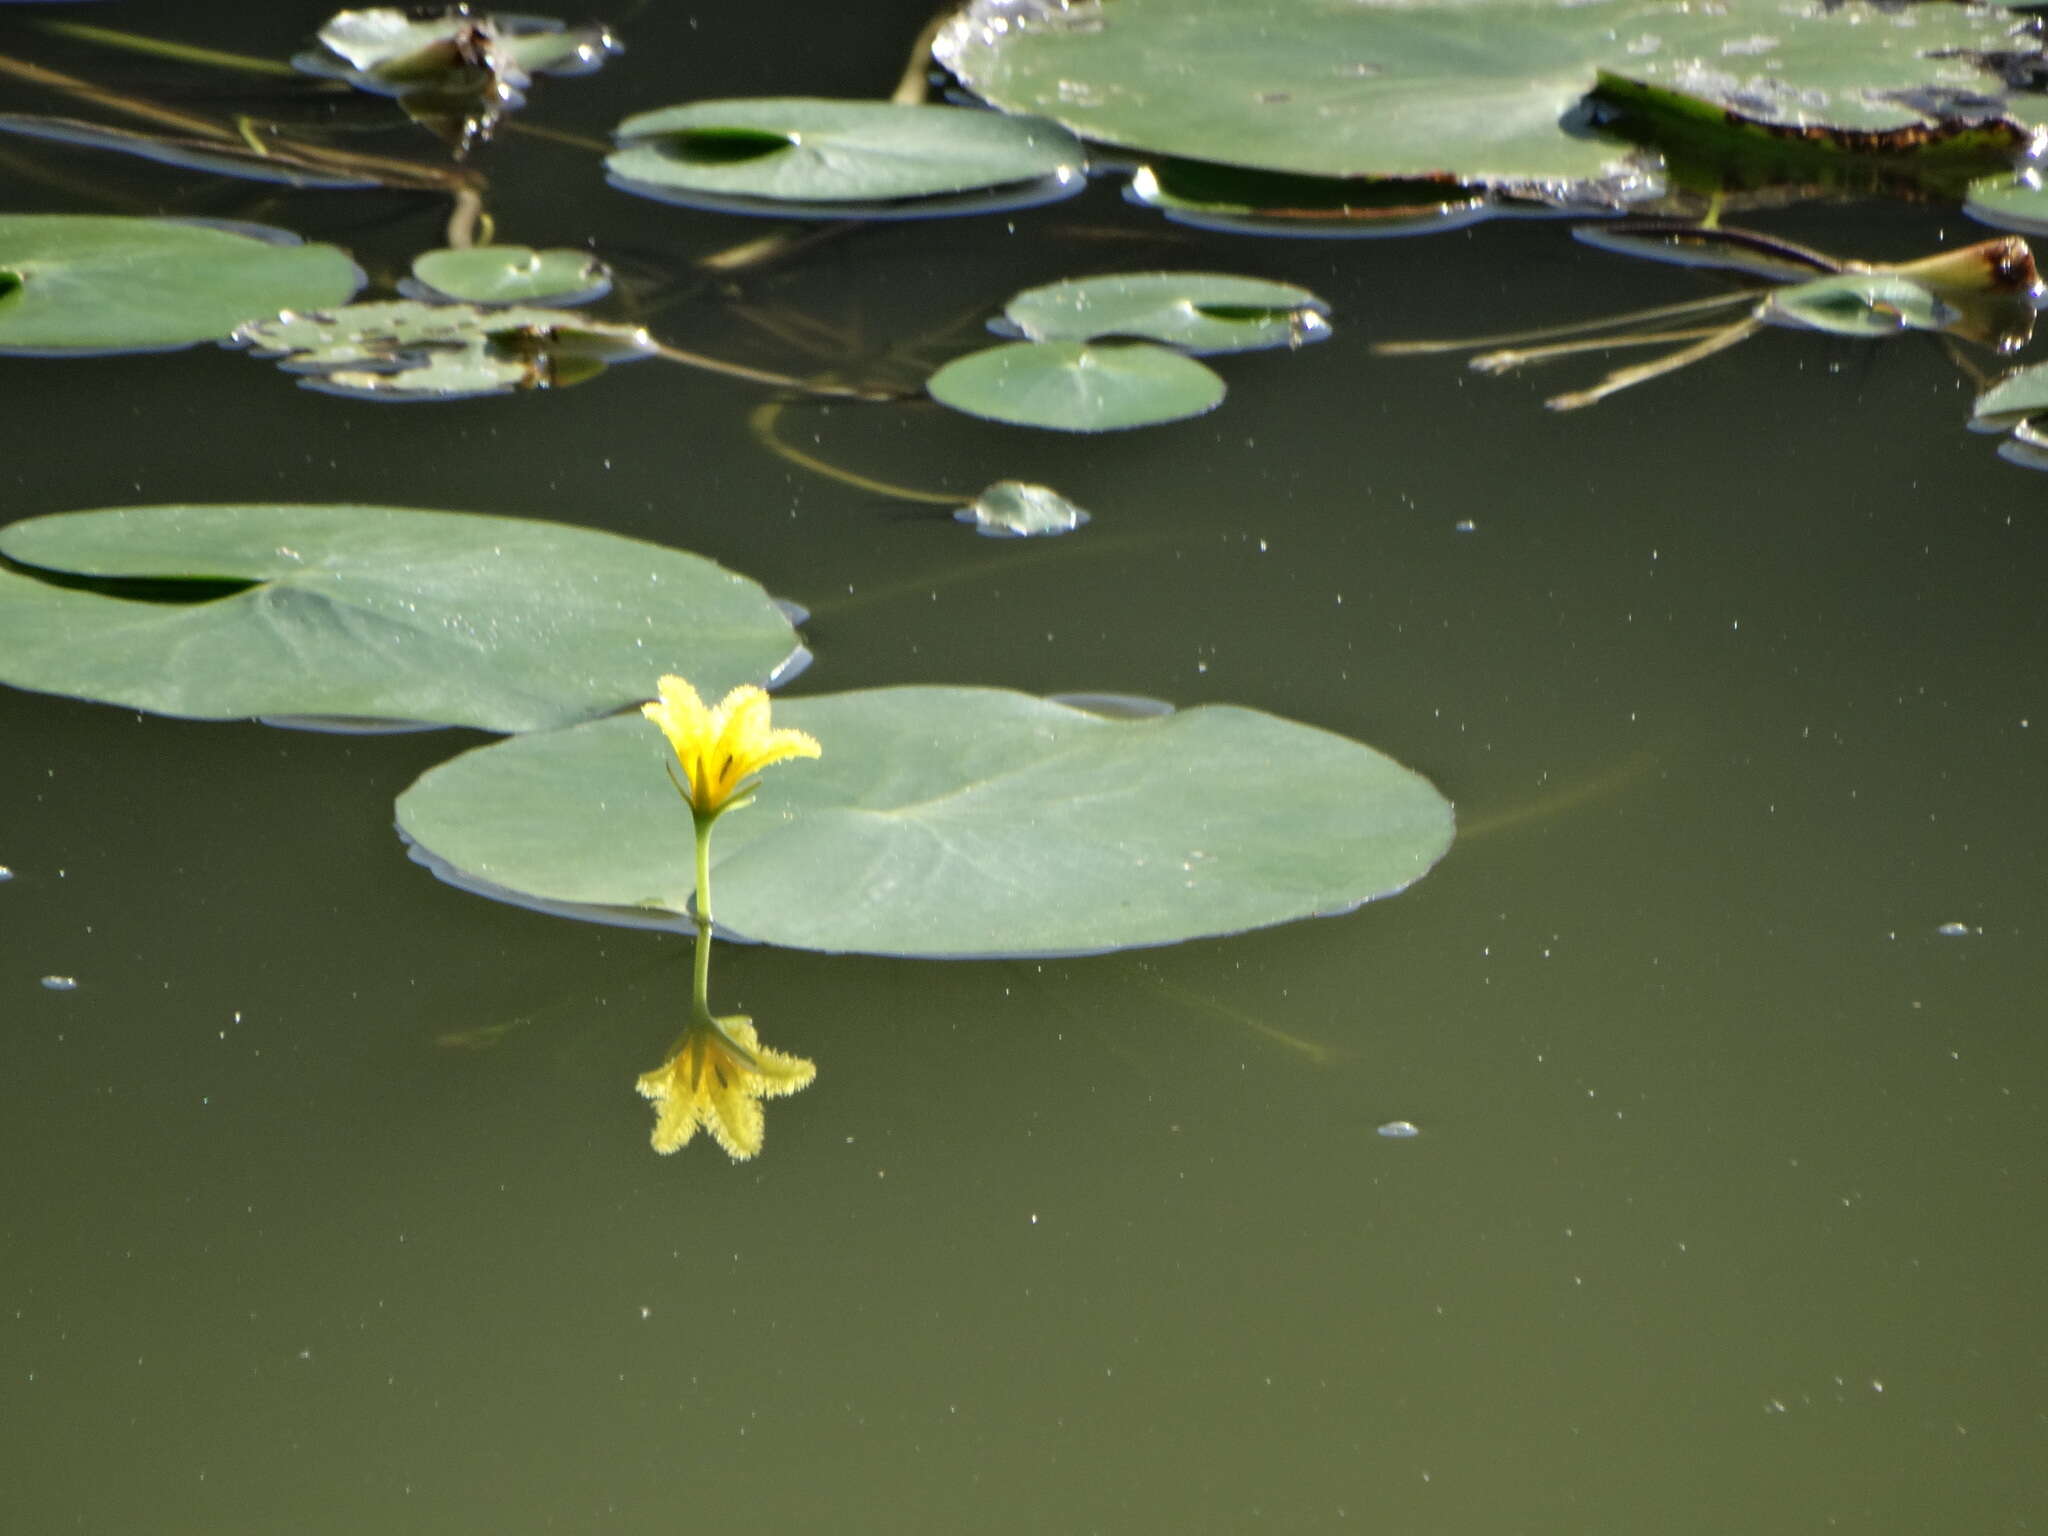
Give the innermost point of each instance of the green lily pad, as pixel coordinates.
(2010, 200)
(410, 350)
(512, 274)
(1486, 91)
(1016, 509)
(80, 283)
(369, 613)
(1074, 386)
(840, 158)
(952, 823)
(1199, 312)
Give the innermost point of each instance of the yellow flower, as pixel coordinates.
(716, 1079)
(721, 749)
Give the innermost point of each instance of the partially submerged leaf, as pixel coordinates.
(1238, 200)
(1860, 304)
(952, 823)
(1073, 386)
(786, 155)
(1199, 312)
(377, 613)
(454, 51)
(512, 274)
(1016, 509)
(77, 283)
(409, 350)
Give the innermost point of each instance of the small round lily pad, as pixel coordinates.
(512, 274)
(1199, 312)
(1074, 386)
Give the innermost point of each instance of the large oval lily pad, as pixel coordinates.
(1487, 91)
(84, 283)
(376, 613)
(954, 823)
(845, 156)
(1199, 312)
(1072, 386)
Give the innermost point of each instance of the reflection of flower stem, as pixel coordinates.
(702, 913)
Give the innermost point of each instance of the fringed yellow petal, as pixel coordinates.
(715, 1080)
(720, 749)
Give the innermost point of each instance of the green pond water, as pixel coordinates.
(331, 1206)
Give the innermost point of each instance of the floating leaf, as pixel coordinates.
(2010, 200)
(1199, 312)
(1072, 386)
(785, 155)
(1013, 509)
(953, 822)
(409, 350)
(512, 274)
(1485, 91)
(75, 283)
(369, 613)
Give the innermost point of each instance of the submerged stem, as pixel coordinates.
(1576, 328)
(1509, 359)
(761, 421)
(1624, 378)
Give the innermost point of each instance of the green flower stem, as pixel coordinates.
(702, 996)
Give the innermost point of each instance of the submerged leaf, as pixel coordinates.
(1014, 509)
(409, 350)
(953, 822)
(369, 613)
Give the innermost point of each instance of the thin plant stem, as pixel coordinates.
(1576, 328)
(1624, 378)
(777, 380)
(761, 421)
(701, 979)
(1507, 360)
